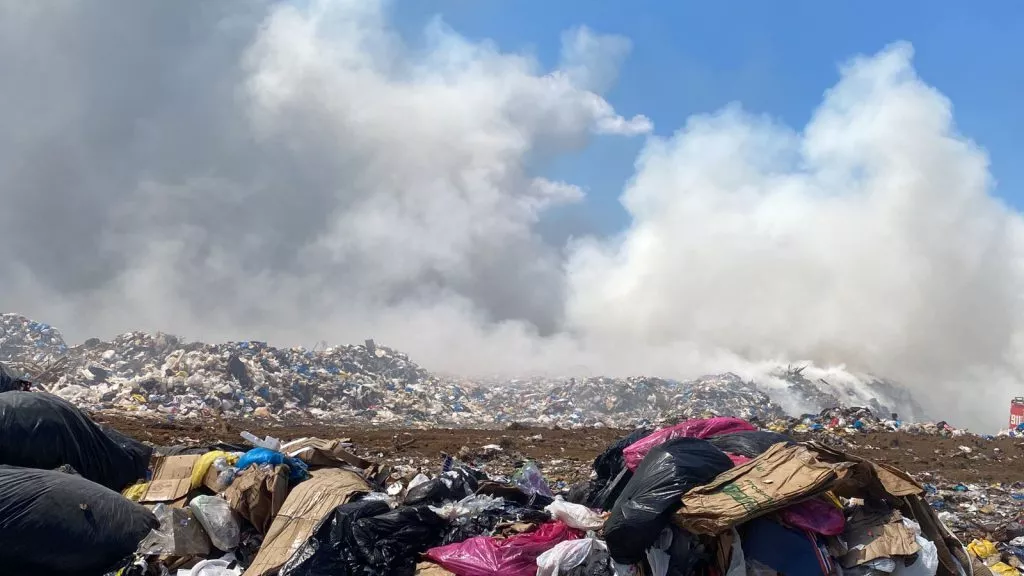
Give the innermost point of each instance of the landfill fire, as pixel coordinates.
(353, 470)
(725, 347)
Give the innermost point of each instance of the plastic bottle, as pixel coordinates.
(225, 478)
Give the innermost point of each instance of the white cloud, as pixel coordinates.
(299, 173)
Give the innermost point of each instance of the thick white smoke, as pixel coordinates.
(299, 173)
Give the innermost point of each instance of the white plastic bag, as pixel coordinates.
(566, 555)
(576, 516)
(419, 479)
(469, 507)
(657, 555)
(219, 521)
(218, 567)
(738, 563)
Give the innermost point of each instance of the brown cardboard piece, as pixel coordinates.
(258, 493)
(782, 475)
(431, 569)
(320, 452)
(871, 536)
(172, 480)
(210, 479)
(873, 479)
(307, 505)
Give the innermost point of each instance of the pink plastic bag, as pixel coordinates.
(738, 459)
(814, 515)
(700, 428)
(515, 556)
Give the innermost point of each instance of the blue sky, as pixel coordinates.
(773, 57)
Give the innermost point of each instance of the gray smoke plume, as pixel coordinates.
(297, 172)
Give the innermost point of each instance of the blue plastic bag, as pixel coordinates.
(298, 470)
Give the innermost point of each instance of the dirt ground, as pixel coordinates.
(930, 458)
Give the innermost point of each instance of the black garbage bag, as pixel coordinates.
(9, 381)
(610, 475)
(749, 443)
(582, 492)
(484, 523)
(452, 485)
(654, 493)
(327, 549)
(140, 453)
(366, 537)
(391, 542)
(606, 498)
(686, 554)
(40, 430)
(611, 461)
(64, 525)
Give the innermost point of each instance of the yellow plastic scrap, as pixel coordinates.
(801, 428)
(983, 549)
(1004, 569)
(203, 465)
(139, 398)
(136, 491)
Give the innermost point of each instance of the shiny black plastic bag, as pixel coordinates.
(655, 491)
(40, 430)
(366, 538)
(749, 443)
(65, 525)
(452, 485)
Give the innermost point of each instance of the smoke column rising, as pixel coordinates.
(297, 173)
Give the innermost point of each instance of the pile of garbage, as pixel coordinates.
(710, 496)
(163, 375)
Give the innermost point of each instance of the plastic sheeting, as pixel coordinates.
(530, 480)
(700, 428)
(180, 534)
(218, 520)
(44, 431)
(515, 556)
(64, 525)
(654, 492)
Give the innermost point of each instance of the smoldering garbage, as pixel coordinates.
(164, 376)
(714, 479)
(794, 507)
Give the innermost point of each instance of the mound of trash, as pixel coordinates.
(165, 375)
(713, 496)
